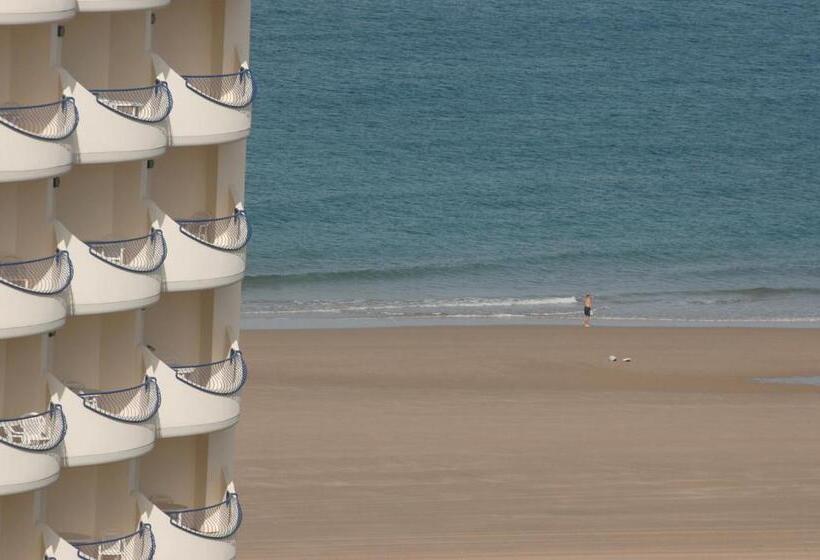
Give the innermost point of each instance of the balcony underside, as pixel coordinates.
(193, 265)
(24, 471)
(107, 137)
(100, 287)
(175, 543)
(196, 120)
(187, 410)
(120, 5)
(28, 314)
(20, 12)
(140, 545)
(94, 439)
(23, 158)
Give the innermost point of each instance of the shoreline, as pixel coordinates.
(500, 442)
(312, 323)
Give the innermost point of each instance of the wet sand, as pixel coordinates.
(526, 442)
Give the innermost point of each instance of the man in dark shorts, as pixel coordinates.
(587, 309)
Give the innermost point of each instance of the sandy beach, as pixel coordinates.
(526, 442)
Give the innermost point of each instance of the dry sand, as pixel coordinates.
(526, 442)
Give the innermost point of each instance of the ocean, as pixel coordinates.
(446, 161)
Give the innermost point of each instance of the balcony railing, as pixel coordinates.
(230, 233)
(51, 121)
(136, 546)
(45, 276)
(35, 432)
(140, 254)
(236, 90)
(133, 405)
(219, 521)
(150, 104)
(225, 377)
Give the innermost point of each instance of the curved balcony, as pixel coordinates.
(209, 109)
(119, 125)
(205, 252)
(219, 521)
(106, 426)
(34, 139)
(133, 405)
(150, 104)
(138, 254)
(26, 450)
(120, 5)
(228, 233)
(30, 294)
(36, 11)
(198, 398)
(139, 545)
(225, 377)
(236, 90)
(114, 275)
(202, 533)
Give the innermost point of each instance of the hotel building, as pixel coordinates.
(123, 126)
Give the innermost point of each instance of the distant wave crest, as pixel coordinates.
(419, 271)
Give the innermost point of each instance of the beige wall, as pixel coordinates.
(108, 50)
(99, 351)
(5, 65)
(73, 492)
(200, 181)
(188, 35)
(226, 312)
(3, 373)
(201, 37)
(26, 73)
(177, 468)
(231, 177)
(179, 326)
(194, 327)
(130, 63)
(183, 181)
(25, 231)
(237, 35)
(22, 385)
(35, 236)
(98, 202)
(85, 52)
(120, 356)
(18, 533)
(220, 463)
(93, 501)
(8, 221)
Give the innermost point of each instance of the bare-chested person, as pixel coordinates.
(587, 309)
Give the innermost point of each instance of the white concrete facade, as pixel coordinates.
(123, 239)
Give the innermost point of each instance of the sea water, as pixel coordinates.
(443, 161)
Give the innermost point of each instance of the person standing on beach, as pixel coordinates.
(587, 309)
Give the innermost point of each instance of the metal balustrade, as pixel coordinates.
(219, 521)
(44, 276)
(225, 377)
(140, 254)
(139, 545)
(50, 121)
(237, 90)
(132, 405)
(150, 104)
(35, 432)
(229, 233)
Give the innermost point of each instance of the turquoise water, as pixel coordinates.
(442, 160)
